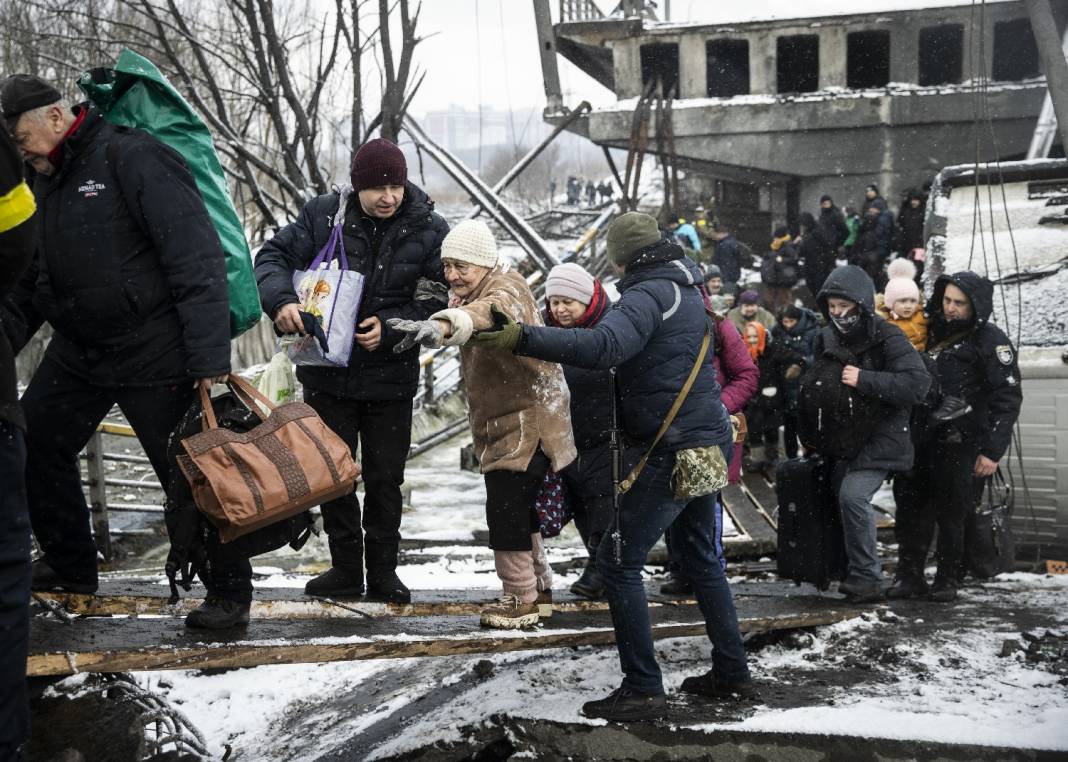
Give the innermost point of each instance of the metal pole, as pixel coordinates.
(1054, 65)
(550, 73)
(98, 496)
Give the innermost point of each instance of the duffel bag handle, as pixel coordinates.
(244, 391)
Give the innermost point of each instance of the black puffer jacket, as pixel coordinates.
(130, 272)
(592, 397)
(979, 366)
(404, 280)
(891, 371)
(16, 250)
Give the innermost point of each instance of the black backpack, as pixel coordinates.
(833, 419)
(195, 543)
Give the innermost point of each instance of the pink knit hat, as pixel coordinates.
(900, 288)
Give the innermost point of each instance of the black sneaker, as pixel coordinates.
(950, 409)
(711, 685)
(676, 586)
(861, 591)
(943, 591)
(908, 587)
(217, 613)
(45, 578)
(386, 587)
(625, 705)
(336, 583)
(589, 585)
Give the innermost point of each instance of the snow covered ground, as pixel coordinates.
(919, 671)
(912, 671)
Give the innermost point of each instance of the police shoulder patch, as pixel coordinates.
(1004, 354)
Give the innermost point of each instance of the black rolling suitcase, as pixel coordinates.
(811, 541)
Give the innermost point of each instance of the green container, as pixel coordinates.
(136, 94)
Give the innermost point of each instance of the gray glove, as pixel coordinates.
(425, 332)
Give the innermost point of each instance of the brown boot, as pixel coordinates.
(509, 613)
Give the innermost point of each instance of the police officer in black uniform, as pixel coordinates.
(973, 360)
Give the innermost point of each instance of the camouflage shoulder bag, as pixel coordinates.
(698, 470)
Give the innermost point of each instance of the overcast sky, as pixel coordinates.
(486, 50)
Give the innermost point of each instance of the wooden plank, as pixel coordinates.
(763, 496)
(747, 517)
(146, 598)
(121, 645)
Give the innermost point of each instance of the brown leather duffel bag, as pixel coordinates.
(287, 464)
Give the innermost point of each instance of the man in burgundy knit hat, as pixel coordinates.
(393, 236)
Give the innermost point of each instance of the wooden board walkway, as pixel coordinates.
(145, 597)
(129, 644)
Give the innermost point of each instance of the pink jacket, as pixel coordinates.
(737, 375)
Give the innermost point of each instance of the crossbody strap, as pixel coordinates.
(632, 477)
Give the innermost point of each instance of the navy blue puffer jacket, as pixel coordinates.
(652, 336)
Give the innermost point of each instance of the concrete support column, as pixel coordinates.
(905, 54)
(693, 67)
(762, 58)
(627, 62)
(832, 57)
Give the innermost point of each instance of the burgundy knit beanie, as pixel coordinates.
(378, 162)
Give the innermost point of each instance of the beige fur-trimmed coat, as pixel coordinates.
(515, 403)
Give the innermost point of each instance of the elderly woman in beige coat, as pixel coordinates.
(519, 412)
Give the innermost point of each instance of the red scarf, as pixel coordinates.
(55, 156)
(599, 304)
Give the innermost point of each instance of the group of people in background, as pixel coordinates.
(586, 193)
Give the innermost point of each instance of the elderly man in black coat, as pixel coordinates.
(131, 275)
(16, 247)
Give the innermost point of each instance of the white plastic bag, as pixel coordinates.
(278, 383)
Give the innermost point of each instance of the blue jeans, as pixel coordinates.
(649, 509)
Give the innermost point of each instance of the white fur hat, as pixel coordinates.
(471, 241)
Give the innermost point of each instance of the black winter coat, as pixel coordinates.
(819, 253)
(652, 336)
(130, 271)
(404, 279)
(780, 268)
(801, 342)
(729, 256)
(981, 366)
(592, 397)
(891, 371)
(833, 220)
(910, 223)
(876, 233)
(765, 409)
(16, 251)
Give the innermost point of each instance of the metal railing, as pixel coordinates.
(579, 10)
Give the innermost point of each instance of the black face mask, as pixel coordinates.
(847, 323)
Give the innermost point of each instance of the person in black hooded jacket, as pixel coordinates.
(575, 299)
(393, 236)
(131, 275)
(16, 249)
(973, 360)
(884, 377)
